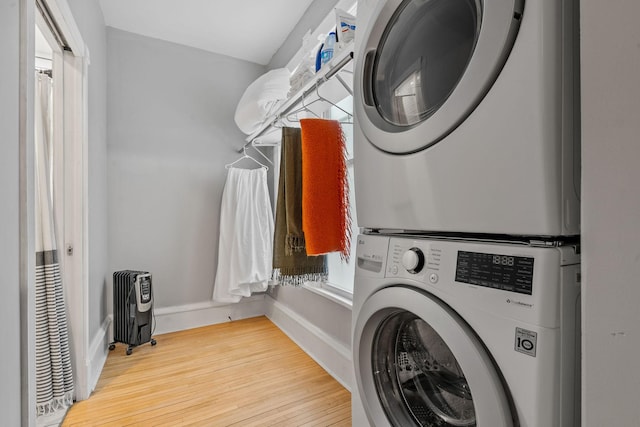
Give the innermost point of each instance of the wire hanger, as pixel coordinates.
(292, 116)
(246, 156)
(262, 154)
(349, 115)
(320, 98)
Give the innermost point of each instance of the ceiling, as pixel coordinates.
(251, 30)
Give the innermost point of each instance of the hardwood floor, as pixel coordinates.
(241, 373)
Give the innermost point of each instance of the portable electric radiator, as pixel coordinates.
(132, 309)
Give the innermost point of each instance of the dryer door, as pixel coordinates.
(425, 65)
(419, 364)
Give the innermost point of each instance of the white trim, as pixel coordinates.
(179, 318)
(61, 14)
(98, 351)
(330, 292)
(328, 352)
(76, 221)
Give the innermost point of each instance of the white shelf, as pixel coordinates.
(330, 70)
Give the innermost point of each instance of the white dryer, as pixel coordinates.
(463, 333)
(467, 117)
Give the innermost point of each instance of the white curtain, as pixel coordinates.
(54, 379)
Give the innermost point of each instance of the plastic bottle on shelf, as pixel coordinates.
(319, 58)
(327, 49)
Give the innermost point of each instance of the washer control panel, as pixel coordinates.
(431, 261)
(519, 281)
(371, 254)
(505, 272)
(413, 259)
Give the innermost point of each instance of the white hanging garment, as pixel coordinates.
(246, 236)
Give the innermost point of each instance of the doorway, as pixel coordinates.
(61, 60)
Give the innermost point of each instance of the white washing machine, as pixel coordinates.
(463, 333)
(467, 117)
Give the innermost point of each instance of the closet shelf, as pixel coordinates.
(336, 65)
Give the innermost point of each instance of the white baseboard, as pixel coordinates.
(98, 351)
(179, 318)
(331, 354)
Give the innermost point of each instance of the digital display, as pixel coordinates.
(503, 260)
(504, 272)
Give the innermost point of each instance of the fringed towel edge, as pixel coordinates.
(298, 276)
(345, 250)
(56, 404)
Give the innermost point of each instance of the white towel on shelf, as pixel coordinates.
(261, 99)
(246, 236)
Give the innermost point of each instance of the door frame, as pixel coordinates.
(76, 274)
(74, 66)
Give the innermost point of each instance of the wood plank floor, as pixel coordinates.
(241, 373)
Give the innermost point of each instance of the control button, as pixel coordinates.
(413, 260)
(433, 278)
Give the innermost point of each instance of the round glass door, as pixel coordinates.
(423, 54)
(417, 376)
(425, 65)
(418, 363)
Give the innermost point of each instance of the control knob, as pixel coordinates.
(413, 260)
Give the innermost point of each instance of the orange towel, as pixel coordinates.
(326, 220)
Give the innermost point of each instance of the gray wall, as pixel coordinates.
(10, 332)
(171, 132)
(611, 212)
(88, 17)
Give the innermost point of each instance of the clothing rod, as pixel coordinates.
(332, 72)
(336, 68)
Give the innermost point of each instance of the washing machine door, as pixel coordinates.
(424, 65)
(419, 364)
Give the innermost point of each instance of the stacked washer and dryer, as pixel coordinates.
(467, 284)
